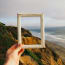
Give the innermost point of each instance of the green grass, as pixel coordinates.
(34, 56)
(5, 41)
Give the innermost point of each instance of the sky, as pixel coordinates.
(53, 10)
(30, 22)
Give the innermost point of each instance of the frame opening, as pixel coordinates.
(20, 37)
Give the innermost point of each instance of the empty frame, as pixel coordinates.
(31, 22)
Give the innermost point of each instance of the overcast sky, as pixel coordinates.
(53, 10)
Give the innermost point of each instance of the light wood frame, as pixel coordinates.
(42, 45)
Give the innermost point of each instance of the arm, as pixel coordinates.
(13, 54)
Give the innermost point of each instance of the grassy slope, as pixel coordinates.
(5, 42)
(41, 56)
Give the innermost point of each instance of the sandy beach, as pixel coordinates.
(57, 49)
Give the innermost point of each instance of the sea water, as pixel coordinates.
(53, 34)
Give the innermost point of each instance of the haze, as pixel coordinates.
(53, 10)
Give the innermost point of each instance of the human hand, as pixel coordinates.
(13, 54)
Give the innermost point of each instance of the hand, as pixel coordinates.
(13, 54)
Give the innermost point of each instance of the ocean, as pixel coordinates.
(53, 34)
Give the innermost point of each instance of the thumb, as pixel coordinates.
(19, 47)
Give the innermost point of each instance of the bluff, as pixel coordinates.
(8, 37)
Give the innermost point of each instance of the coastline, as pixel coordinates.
(51, 38)
(44, 56)
(59, 50)
(56, 44)
(56, 40)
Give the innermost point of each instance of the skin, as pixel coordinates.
(13, 54)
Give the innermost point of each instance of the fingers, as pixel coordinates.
(12, 48)
(15, 47)
(19, 47)
(20, 52)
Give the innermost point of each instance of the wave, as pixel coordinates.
(50, 37)
(37, 34)
(54, 37)
(57, 39)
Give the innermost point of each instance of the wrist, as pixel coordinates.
(9, 62)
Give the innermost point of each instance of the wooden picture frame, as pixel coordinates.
(42, 45)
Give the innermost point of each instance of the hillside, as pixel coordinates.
(8, 36)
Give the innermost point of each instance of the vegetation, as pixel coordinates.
(13, 30)
(42, 57)
(2, 24)
(5, 42)
(28, 52)
(38, 55)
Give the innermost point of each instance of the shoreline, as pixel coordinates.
(51, 38)
(59, 50)
(55, 44)
(55, 41)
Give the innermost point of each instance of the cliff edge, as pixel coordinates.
(42, 56)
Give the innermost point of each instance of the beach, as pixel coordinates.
(59, 50)
(54, 42)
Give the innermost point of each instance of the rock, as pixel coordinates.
(27, 60)
(31, 40)
(32, 56)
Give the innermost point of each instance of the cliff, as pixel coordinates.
(8, 36)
